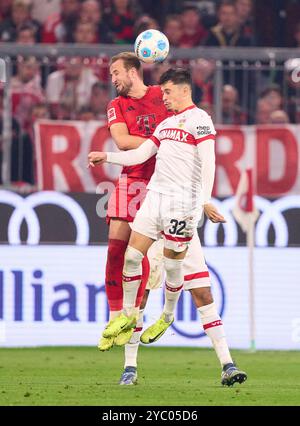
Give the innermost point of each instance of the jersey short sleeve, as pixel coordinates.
(202, 127)
(114, 113)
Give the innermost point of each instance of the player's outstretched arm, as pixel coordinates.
(125, 158)
(95, 158)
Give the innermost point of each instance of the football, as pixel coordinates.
(151, 46)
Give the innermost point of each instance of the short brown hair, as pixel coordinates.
(130, 60)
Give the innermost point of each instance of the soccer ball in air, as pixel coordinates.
(151, 46)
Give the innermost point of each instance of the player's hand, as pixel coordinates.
(96, 157)
(213, 214)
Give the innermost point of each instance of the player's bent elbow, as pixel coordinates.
(122, 145)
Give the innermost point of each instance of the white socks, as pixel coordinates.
(131, 348)
(132, 275)
(173, 286)
(214, 329)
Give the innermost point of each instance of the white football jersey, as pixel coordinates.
(181, 156)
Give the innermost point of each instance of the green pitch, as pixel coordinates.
(167, 376)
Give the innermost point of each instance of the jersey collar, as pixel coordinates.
(189, 107)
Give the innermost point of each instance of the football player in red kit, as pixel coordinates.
(132, 118)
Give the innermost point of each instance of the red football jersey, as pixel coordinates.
(141, 117)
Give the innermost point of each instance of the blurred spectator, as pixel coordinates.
(91, 11)
(26, 34)
(160, 9)
(263, 112)
(273, 96)
(59, 27)
(41, 9)
(22, 168)
(99, 100)
(292, 77)
(231, 111)
(157, 70)
(85, 33)
(39, 112)
(69, 89)
(202, 72)
(85, 114)
(5, 9)
(207, 108)
(173, 30)
(193, 31)
(15, 129)
(26, 90)
(244, 10)
(20, 15)
(279, 117)
(121, 21)
(227, 32)
(297, 35)
(144, 23)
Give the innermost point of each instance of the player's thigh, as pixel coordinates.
(119, 229)
(140, 242)
(147, 220)
(195, 269)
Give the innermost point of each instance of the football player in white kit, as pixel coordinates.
(179, 189)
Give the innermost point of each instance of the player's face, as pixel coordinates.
(172, 95)
(120, 78)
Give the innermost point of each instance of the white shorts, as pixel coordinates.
(194, 267)
(163, 214)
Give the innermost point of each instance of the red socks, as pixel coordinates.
(113, 275)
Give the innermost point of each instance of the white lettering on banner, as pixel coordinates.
(55, 295)
(271, 214)
(24, 210)
(246, 146)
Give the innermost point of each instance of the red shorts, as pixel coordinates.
(127, 198)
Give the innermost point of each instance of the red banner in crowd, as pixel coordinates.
(271, 151)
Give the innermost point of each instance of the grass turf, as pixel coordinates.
(167, 376)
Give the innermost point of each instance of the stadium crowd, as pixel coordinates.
(78, 88)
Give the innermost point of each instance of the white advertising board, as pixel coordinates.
(54, 295)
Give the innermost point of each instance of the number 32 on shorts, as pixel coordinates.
(178, 227)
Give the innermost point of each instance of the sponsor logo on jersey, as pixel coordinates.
(173, 134)
(181, 123)
(203, 130)
(130, 108)
(111, 114)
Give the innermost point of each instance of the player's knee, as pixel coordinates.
(133, 259)
(116, 249)
(174, 272)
